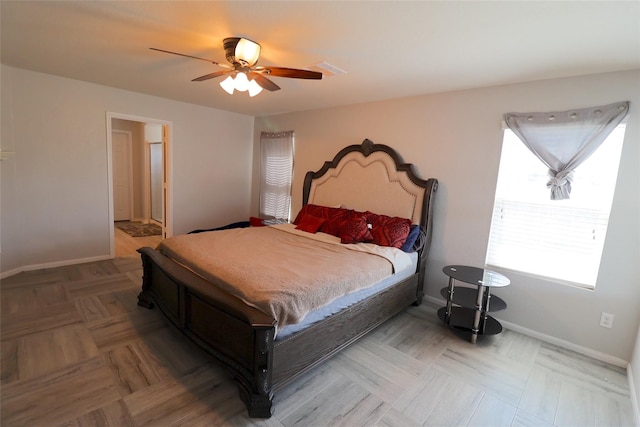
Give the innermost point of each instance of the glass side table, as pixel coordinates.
(467, 308)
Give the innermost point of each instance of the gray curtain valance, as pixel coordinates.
(563, 140)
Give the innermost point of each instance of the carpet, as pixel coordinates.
(139, 229)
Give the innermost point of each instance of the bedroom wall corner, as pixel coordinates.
(9, 209)
(254, 207)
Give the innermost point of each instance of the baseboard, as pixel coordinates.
(603, 357)
(633, 391)
(64, 263)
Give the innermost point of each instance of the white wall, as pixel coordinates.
(54, 194)
(456, 137)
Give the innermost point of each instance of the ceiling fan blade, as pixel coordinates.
(211, 75)
(291, 73)
(264, 82)
(190, 56)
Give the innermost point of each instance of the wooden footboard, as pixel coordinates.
(238, 336)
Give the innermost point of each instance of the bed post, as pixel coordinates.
(258, 396)
(144, 300)
(427, 219)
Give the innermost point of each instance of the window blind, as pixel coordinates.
(562, 243)
(276, 175)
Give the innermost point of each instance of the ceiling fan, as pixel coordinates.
(243, 73)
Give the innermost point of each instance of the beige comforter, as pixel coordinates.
(282, 271)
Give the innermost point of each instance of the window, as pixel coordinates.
(276, 171)
(561, 240)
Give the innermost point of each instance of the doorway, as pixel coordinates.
(139, 182)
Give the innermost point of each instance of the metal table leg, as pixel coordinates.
(478, 314)
(447, 316)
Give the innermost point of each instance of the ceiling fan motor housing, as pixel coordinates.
(239, 50)
(230, 44)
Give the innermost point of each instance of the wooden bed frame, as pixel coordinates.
(241, 338)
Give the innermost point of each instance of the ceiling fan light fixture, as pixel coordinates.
(241, 82)
(254, 88)
(247, 51)
(228, 85)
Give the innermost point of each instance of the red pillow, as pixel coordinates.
(334, 217)
(313, 210)
(337, 217)
(256, 222)
(389, 231)
(310, 223)
(355, 230)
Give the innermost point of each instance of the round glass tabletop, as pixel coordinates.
(476, 276)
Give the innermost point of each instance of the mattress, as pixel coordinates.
(285, 272)
(348, 300)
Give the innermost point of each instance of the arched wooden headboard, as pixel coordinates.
(370, 177)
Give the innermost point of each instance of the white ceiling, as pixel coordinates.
(388, 49)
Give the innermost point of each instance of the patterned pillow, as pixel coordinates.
(355, 230)
(334, 217)
(389, 231)
(337, 217)
(310, 223)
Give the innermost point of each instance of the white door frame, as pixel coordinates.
(167, 228)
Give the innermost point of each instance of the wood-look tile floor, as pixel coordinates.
(126, 245)
(78, 351)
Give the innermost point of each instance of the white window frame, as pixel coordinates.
(523, 219)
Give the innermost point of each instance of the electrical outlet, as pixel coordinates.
(606, 320)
